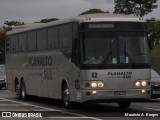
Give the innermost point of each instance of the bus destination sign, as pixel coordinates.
(94, 26)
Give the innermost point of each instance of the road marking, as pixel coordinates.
(50, 109)
(9, 104)
(75, 118)
(152, 108)
(31, 105)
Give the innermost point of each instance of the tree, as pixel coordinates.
(2, 46)
(154, 31)
(10, 24)
(92, 11)
(135, 7)
(48, 20)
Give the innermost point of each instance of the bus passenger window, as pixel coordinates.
(22, 42)
(53, 38)
(31, 42)
(41, 39)
(14, 43)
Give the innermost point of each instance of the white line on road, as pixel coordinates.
(75, 118)
(152, 108)
(50, 109)
(31, 105)
(9, 104)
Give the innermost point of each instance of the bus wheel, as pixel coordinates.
(124, 104)
(23, 91)
(66, 96)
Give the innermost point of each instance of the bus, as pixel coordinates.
(88, 58)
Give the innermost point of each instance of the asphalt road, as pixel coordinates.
(49, 109)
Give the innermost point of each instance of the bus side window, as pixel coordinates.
(41, 39)
(65, 36)
(22, 42)
(31, 41)
(74, 47)
(53, 38)
(75, 43)
(14, 43)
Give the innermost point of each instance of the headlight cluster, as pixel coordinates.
(98, 84)
(142, 83)
(93, 84)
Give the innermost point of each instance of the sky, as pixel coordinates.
(30, 11)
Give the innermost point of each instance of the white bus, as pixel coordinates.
(89, 58)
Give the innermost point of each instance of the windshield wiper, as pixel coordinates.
(109, 54)
(127, 55)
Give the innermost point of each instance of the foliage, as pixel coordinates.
(92, 11)
(155, 58)
(2, 46)
(2, 34)
(48, 20)
(154, 30)
(10, 24)
(135, 7)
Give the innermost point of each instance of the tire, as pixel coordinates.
(18, 91)
(66, 97)
(23, 91)
(124, 104)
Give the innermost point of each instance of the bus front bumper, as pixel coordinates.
(113, 95)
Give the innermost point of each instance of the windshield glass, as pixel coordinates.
(133, 47)
(115, 48)
(97, 46)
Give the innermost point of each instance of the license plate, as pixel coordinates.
(120, 93)
(155, 92)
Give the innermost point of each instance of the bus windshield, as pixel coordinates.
(107, 47)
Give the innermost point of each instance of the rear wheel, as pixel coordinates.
(66, 96)
(23, 91)
(124, 104)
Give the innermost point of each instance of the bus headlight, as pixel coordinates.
(144, 83)
(100, 84)
(138, 84)
(94, 84)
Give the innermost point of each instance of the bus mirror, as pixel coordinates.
(150, 44)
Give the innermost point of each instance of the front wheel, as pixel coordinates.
(66, 96)
(124, 104)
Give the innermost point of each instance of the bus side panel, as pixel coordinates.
(69, 72)
(14, 68)
(9, 80)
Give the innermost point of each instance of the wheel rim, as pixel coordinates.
(66, 97)
(23, 92)
(17, 88)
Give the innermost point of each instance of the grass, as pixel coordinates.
(155, 58)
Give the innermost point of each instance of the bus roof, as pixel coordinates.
(81, 18)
